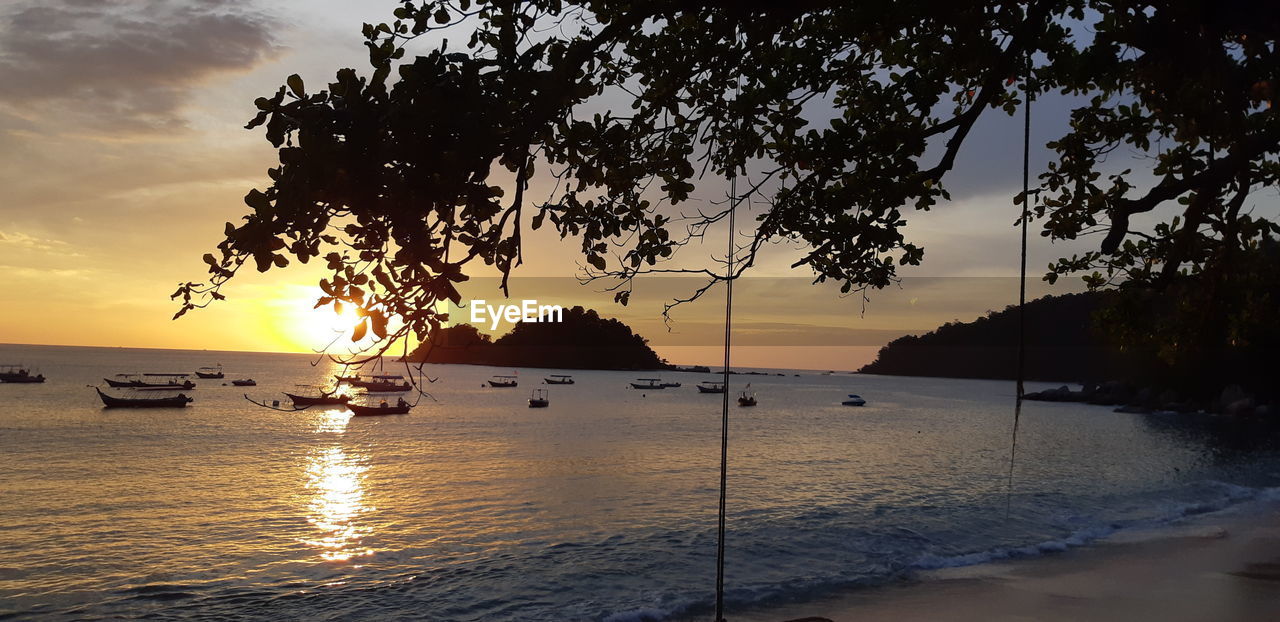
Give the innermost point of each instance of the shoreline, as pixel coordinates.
(1220, 566)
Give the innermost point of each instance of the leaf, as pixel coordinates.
(358, 333)
(295, 84)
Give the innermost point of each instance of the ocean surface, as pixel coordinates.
(601, 507)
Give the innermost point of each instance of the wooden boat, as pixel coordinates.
(134, 381)
(539, 399)
(247, 382)
(711, 386)
(387, 387)
(558, 379)
(503, 382)
(671, 385)
(210, 372)
(19, 375)
(401, 408)
(325, 399)
(177, 401)
(854, 400)
(747, 398)
(648, 383)
(346, 379)
(379, 380)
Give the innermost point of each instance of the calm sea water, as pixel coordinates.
(601, 507)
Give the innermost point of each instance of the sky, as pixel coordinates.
(123, 152)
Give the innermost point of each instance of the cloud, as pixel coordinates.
(30, 242)
(121, 66)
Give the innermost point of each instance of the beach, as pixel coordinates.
(1222, 567)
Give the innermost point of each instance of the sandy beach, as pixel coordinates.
(1222, 567)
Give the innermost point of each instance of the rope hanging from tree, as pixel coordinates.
(1022, 279)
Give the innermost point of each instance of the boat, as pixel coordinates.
(134, 381)
(378, 380)
(177, 401)
(401, 408)
(854, 400)
(747, 398)
(558, 379)
(325, 399)
(671, 385)
(539, 399)
(503, 381)
(387, 387)
(210, 373)
(711, 386)
(247, 382)
(18, 374)
(648, 383)
(346, 379)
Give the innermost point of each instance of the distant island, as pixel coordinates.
(583, 340)
(1062, 345)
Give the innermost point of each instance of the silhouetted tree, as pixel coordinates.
(390, 176)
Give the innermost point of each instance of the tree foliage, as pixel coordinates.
(839, 118)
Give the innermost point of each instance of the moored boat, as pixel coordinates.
(377, 380)
(210, 372)
(18, 374)
(135, 381)
(710, 386)
(387, 387)
(648, 383)
(110, 401)
(671, 385)
(504, 382)
(324, 399)
(558, 379)
(539, 399)
(401, 408)
(247, 382)
(854, 400)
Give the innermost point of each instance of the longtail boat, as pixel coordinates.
(210, 372)
(401, 408)
(177, 401)
(325, 399)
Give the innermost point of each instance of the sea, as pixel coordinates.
(601, 507)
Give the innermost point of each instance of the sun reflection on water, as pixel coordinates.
(337, 504)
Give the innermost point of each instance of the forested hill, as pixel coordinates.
(584, 340)
(1062, 345)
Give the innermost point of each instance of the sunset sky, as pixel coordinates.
(122, 153)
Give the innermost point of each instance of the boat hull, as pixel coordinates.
(16, 379)
(746, 401)
(539, 403)
(854, 403)
(244, 383)
(502, 385)
(208, 376)
(302, 400)
(550, 381)
(702, 389)
(636, 385)
(373, 411)
(177, 401)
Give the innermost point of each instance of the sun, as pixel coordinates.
(317, 327)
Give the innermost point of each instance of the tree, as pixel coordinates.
(394, 180)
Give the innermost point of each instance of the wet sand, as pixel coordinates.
(1223, 568)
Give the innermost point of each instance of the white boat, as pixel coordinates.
(539, 399)
(854, 400)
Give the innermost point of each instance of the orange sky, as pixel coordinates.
(123, 152)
